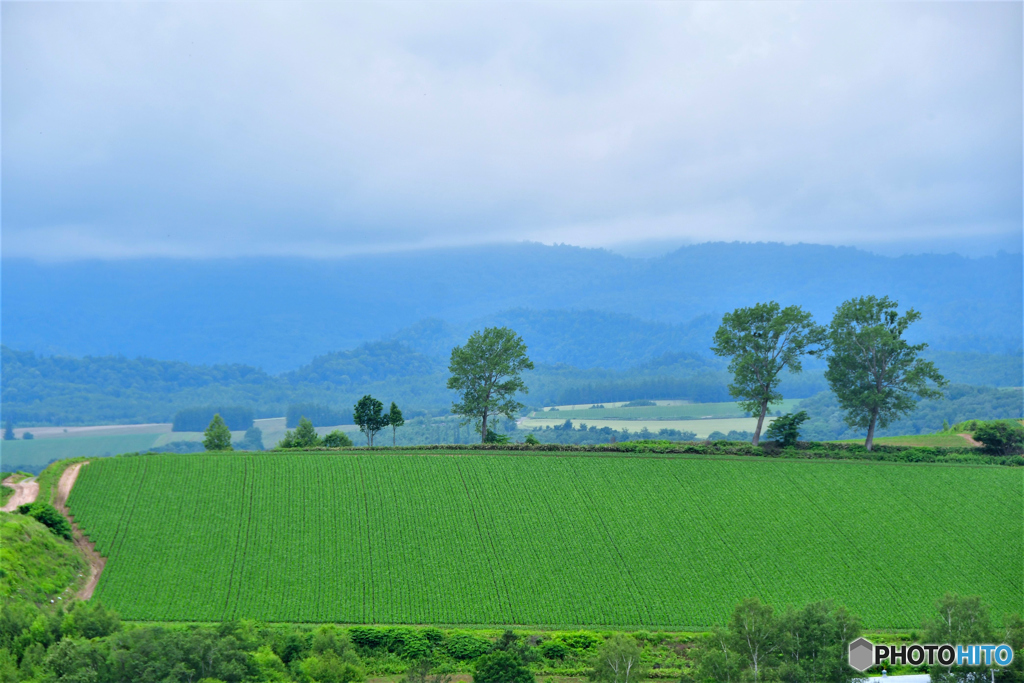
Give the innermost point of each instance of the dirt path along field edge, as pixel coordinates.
(25, 491)
(96, 561)
(970, 440)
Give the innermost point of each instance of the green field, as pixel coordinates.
(117, 439)
(680, 411)
(541, 540)
(942, 440)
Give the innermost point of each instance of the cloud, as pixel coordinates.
(202, 129)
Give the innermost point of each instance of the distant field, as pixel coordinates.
(544, 539)
(38, 452)
(702, 428)
(676, 411)
(54, 443)
(935, 440)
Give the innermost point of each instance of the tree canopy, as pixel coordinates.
(396, 420)
(762, 341)
(874, 372)
(369, 415)
(217, 435)
(487, 372)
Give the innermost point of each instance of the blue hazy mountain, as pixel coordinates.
(585, 307)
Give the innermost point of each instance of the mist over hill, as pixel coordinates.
(584, 307)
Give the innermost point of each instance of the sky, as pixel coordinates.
(202, 130)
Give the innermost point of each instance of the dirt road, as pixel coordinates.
(25, 491)
(970, 439)
(88, 548)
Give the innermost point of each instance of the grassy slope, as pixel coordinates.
(35, 565)
(544, 540)
(936, 440)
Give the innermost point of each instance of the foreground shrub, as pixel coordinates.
(48, 516)
(502, 667)
(1001, 437)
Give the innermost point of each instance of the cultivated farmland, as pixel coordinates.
(544, 540)
(672, 411)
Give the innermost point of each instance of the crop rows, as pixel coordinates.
(486, 539)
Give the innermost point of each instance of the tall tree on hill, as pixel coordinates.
(487, 371)
(217, 435)
(396, 420)
(762, 341)
(369, 415)
(873, 371)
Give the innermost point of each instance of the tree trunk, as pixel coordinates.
(760, 422)
(394, 437)
(870, 443)
(483, 429)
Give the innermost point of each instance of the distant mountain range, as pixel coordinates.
(581, 307)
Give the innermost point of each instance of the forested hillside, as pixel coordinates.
(48, 390)
(277, 314)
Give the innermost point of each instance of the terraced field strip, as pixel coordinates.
(682, 411)
(544, 539)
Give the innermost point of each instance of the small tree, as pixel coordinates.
(617, 661)
(218, 436)
(252, 441)
(396, 420)
(754, 635)
(786, 429)
(369, 415)
(872, 370)
(1001, 437)
(304, 436)
(8, 431)
(762, 341)
(961, 620)
(487, 371)
(419, 672)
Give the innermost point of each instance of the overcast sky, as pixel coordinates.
(322, 129)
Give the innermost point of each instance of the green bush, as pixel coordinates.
(1001, 437)
(465, 646)
(337, 439)
(495, 437)
(48, 516)
(554, 649)
(786, 429)
(90, 620)
(502, 667)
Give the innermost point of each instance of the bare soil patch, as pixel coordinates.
(96, 561)
(970, 440)
(25, 491)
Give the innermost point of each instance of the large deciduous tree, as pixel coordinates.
(873, 371)
(761, 342)
(487, 371)
(369, 415)
(217, 435)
